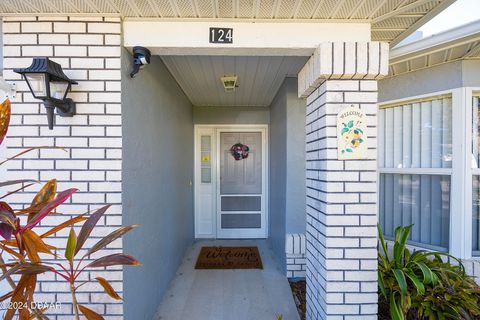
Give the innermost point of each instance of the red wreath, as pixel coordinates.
(239, 151)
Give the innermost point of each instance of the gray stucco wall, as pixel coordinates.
(231, 115)
(287, 166)
(443, 77)
(295, 184)
(278, 174)
(157, 174)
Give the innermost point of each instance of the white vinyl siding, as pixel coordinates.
(415, 161)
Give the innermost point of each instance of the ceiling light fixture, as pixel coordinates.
(229, 83)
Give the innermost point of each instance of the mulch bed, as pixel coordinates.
(299, 290)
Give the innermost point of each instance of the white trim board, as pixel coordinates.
(249, 38)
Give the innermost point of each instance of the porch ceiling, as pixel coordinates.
(462, 43)
(392, 20)
(259, 78)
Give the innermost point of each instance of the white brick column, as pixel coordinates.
(341, 195)
(88, 48)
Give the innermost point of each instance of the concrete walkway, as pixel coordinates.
(228, 294)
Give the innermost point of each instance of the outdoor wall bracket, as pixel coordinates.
(9, 90)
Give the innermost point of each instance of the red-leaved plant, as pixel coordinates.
(24, 245)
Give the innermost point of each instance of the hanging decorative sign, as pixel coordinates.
(239, 151)
(352, 134)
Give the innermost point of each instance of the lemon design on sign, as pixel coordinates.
(352, 136)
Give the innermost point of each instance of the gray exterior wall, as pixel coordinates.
(278, 174)
(295, 184)
(287, 166)
(470, 73)
(231, 115)
(157, 175)
(442, 77)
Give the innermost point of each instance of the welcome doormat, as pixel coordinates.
(229, 258)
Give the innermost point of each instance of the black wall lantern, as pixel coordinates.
(47, 82)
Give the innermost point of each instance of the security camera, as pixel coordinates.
(141, 57)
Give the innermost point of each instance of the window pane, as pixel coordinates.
(475, 132)
(241, 221)
(206, 155)
(476, 216)
(416, 135)
(421, 200)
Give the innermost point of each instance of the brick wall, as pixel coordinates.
(88, 48)
(295, 246)
(341, 194)
(341, 207)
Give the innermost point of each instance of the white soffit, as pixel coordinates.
(259, 78)
(392, 20)
(461, 43)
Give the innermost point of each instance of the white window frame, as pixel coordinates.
(461, 173)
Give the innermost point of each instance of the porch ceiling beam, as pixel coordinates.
(447, 40)
(256, 8)
(473, 51)
(154, 6)
(337, 7)
(175, 8)
(388, 29)
(12, 6)
(46, 4)
(112, 5)
(194, 5)
(356, 8)
(134, 7)
(92, 5)
(399, 10)
(72, 5)
(420, 22)
(296, 8)
(249, 38)
(379, 5)
(215, 8)
(412, 15)
(31, 5)
(317, 8)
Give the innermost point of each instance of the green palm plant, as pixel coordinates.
(422, 283)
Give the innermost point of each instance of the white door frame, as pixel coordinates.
(206, 226)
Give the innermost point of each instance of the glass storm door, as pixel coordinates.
(241, 185)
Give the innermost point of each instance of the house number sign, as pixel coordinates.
(352, 134)
(221, 35)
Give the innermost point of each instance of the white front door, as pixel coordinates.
(230, 189)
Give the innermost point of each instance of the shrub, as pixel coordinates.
(26, 247)
(422, 285)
